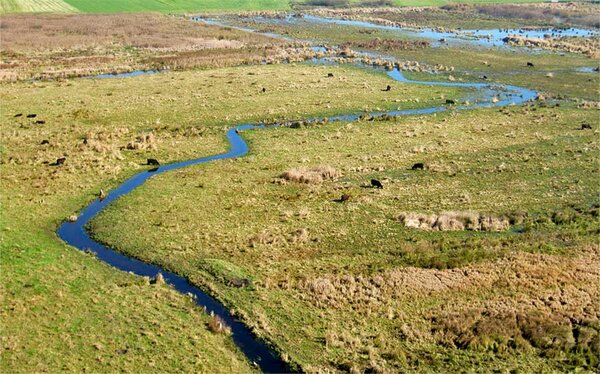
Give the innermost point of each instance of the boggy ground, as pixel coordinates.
(555, 72)
(55, 46)
(63, 309)
(344, 286)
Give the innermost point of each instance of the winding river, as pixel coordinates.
(256, 350)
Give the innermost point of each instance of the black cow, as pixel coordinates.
(60, 161)
(40, 122)
(530, 64)
(152, 161)
(388, 88)
(344, 197)
(31, 115)
(418, 166)
(45, 141)
(586, 126)
(450, 102)
(330, 75)
(376, 184)
(264, 89)
(18, 115)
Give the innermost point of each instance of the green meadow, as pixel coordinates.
(183, 6)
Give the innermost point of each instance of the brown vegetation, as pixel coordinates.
(571, 13)
(78, 45)
(454, 221)
(217, 325)
(310, 176)
(390, 44)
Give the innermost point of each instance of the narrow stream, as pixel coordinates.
(256, 350)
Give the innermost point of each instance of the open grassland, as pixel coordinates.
(175, 6)
(62, 309)
(185, 6)
(64, 46)
(414, 300)
(35, 6)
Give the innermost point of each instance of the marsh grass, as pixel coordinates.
(354, 264)
(77, 294)
(62, 46)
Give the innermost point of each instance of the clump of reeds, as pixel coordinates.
(310, 176)
(454, 221)
(217, 325)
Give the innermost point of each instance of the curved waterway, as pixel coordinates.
(256, 350)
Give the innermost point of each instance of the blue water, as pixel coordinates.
(587, 69)
(75, 234)
(126, 75)
(480, 38)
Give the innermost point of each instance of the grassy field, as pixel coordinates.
(416, 300)
(335, 284)
(318, 265)
(183, 6)
(35, 6)
(60, 301)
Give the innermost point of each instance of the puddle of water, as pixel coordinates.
(136, 73)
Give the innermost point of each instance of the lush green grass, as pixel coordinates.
(64, 310)
(175, 6)
(182, 6)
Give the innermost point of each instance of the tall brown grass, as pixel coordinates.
(310, 176)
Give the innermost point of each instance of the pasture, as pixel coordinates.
(188, 6)
(450, 241)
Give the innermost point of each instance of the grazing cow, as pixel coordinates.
(597, 69)
(418, 166)
(530, 64)
(60, 161)
(152, 161)
(40, 122)
(442, 40)
(376, 184)
(484, 77)
(344, 197)
(31, 115)
(450, 102)
(18, 115)
(264, 89)
(388, 88)
(45, 141)
(329, 75)
(586, 126)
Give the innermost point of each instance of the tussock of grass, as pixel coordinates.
(218, 326)
(454, 221)
(311, 176)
